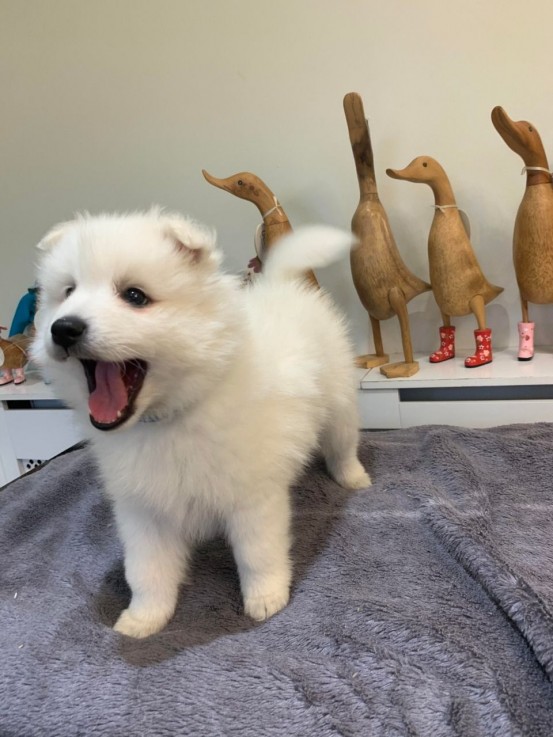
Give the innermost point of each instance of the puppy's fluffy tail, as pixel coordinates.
(311, 247)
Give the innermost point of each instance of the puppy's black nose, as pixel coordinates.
(67, 331)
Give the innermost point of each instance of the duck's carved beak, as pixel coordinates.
(221, 183)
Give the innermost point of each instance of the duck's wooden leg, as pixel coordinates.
(478, 309)
(524, 305)
(372, 360)
(409, 366)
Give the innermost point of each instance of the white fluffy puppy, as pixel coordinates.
(203, 401)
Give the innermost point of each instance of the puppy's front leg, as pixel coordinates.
(155, 563)
(259, 533)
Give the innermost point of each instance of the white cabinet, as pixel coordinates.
(503, 392)
(33, 427)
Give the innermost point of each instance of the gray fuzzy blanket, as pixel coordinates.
(422, 606)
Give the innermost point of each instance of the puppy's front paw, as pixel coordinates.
(139, 624)
(263, 607)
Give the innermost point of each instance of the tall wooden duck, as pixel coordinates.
(383, 282)
(457, 280)
(533, 232)
(249, 187)
(15, 358)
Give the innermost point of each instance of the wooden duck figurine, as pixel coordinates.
(457, 280)
(533, 232)
(15, 358)
(383, 282)
(249, 187)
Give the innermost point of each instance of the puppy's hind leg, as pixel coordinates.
(339, 442)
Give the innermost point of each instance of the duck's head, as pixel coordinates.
(521, 136)
(244, 184)
(422, 169)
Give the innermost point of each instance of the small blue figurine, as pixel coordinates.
(25, 313)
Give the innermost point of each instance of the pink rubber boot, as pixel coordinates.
(525, 341)
(18, 376)
(483, 352)
(6, 377)
(447, 345)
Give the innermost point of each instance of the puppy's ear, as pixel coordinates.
(194, 241)
(54, 235)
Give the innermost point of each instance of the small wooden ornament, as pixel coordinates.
(458, 282)
(15, 358)
(383, 282)
(533, 231)
(249, 187)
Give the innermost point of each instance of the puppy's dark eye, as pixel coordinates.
(67, 291)
(135, 297)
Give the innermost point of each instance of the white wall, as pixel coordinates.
(116, 104)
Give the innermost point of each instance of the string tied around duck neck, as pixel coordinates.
(259, 237)
(441, 208)
(462, 214)
(273, 209)
(536, 168)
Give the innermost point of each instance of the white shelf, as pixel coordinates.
(33, 389)
(505, 370)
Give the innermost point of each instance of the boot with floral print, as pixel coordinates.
(18, 376)
(525, 341)
(447, 345)
(483, 352)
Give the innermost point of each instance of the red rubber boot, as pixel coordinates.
(447, 345)
(483, 352)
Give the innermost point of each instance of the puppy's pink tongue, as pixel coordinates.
(109, 398)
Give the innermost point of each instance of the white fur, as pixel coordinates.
(245, 384)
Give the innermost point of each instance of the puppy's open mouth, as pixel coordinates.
(113, 389)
